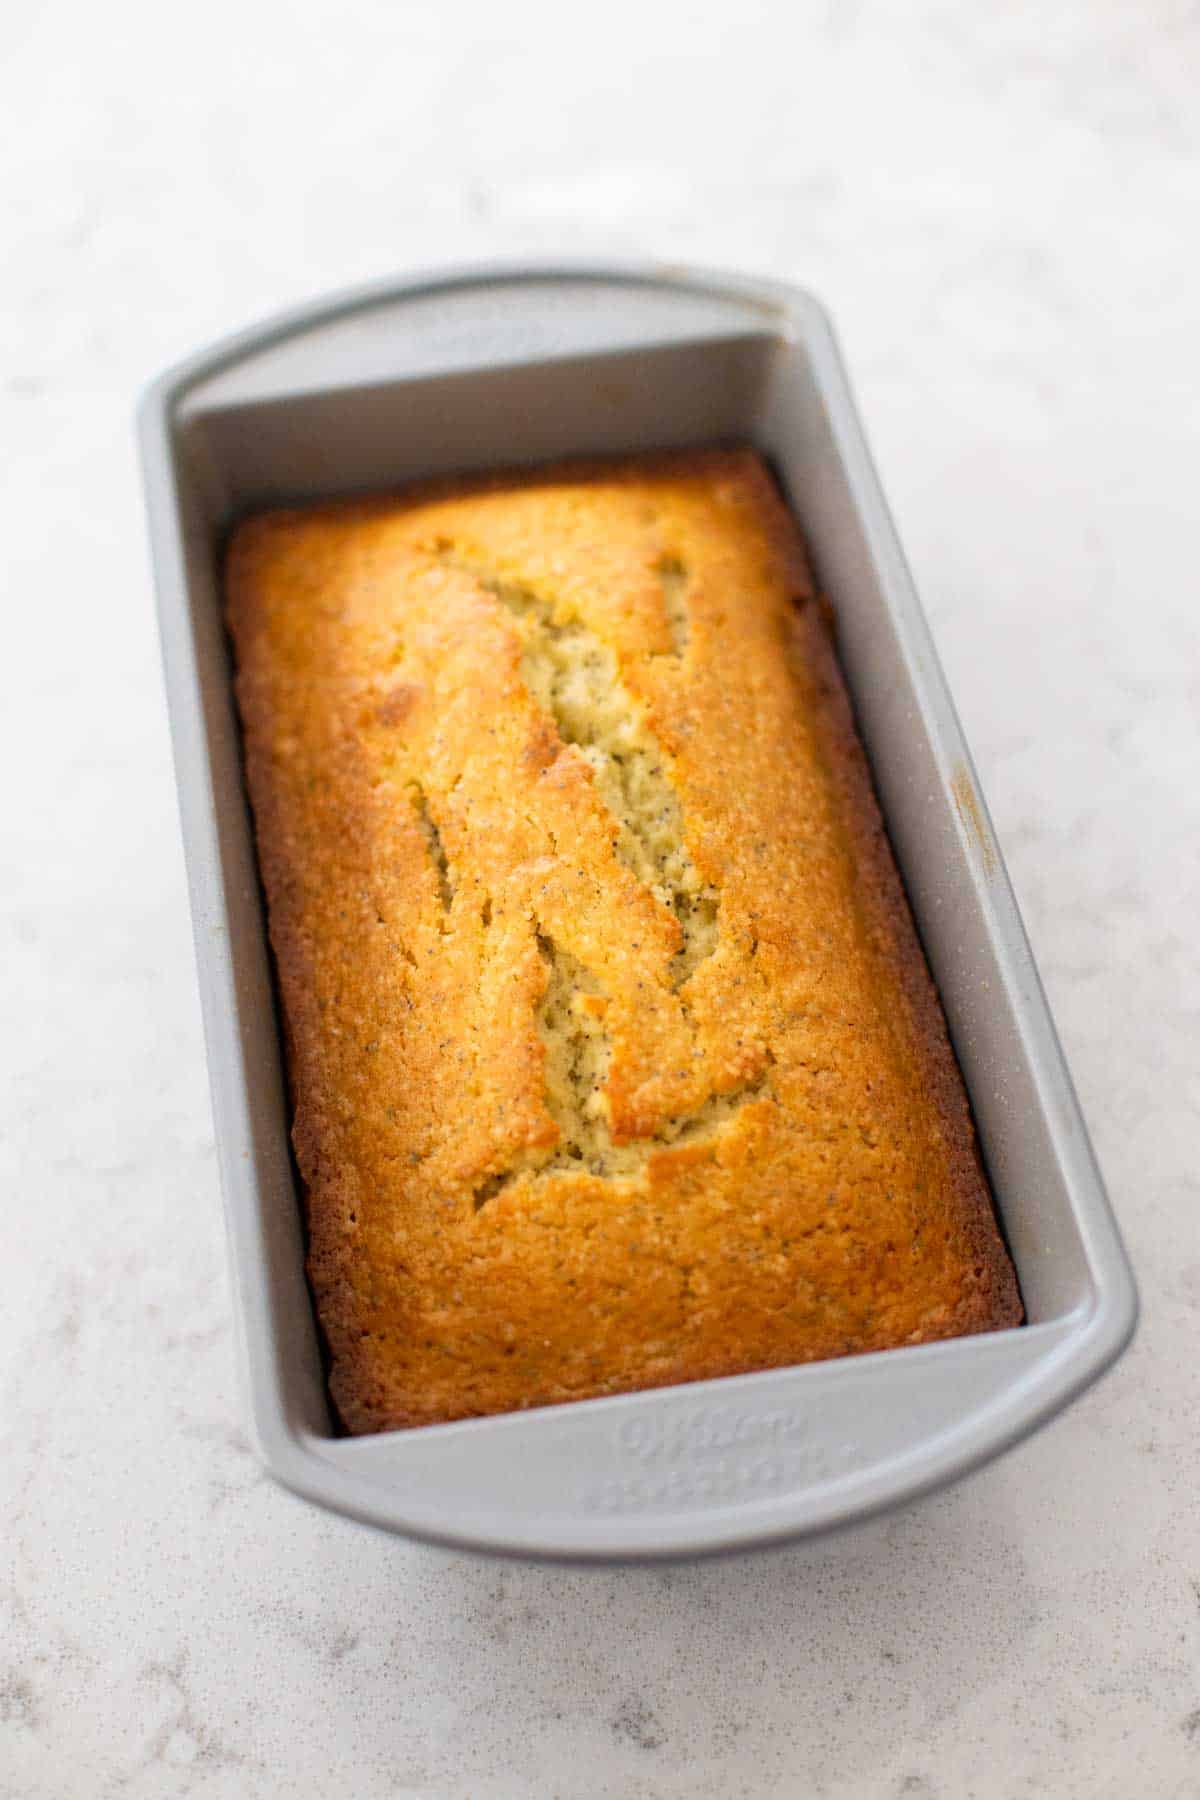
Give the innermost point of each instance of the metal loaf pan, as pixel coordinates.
(480, 368)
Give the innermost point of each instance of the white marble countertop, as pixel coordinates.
(998, 203)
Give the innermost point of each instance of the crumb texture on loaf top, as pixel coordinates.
(614, 1055)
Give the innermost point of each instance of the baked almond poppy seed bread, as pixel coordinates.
(614, 1056)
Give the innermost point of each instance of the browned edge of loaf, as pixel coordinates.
(878, 874)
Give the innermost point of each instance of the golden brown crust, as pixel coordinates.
(615, 1057)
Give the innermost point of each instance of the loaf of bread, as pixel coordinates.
(614, 1056)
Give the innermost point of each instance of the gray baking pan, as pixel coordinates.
(472, 369)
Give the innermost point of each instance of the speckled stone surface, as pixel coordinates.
(998, 205)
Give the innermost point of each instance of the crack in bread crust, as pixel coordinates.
(572, 675)
(577, 1053)
(673, 575)
(428, 828)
